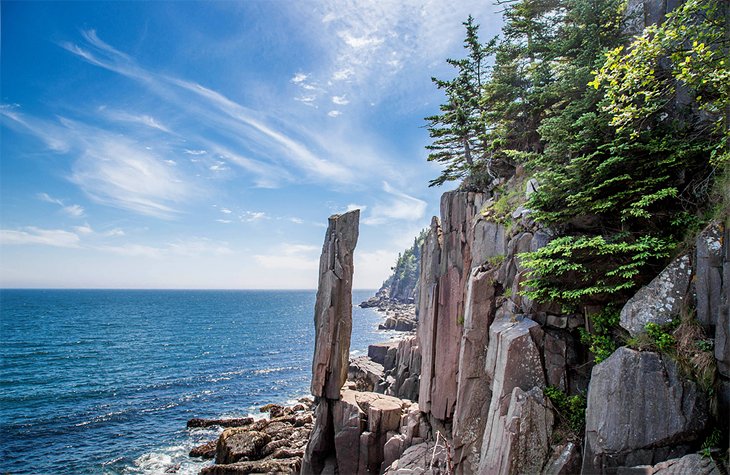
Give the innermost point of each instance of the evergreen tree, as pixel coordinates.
(458, 131)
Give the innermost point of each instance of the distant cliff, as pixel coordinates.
(401, 286)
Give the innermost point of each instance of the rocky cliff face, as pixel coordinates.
(488, 353)
(485, 359)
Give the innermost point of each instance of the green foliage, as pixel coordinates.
(507, 292)
(661, 336)
(573, 269)
(571, 409)
(601, 341)
(495, 261)
(407, 269)
(458, 131)
(713, 440)
(639, 84)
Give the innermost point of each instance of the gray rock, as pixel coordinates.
(564, 461)
(694, 464)
(513, 361)
(425, 458)
(640, 409)
(708, 274)
(365, 372)
(520, 440)
(378, 351)
(333, 308)
(240, 444)
(427, 310)
(660, 300)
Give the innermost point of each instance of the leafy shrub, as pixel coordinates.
(571, 409)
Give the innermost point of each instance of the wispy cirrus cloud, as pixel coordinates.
(75, 211)
(238, 121)
(32, 235)
(399, 206)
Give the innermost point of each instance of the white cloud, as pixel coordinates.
(296, 220)
(360, 42)
(340, 100)
(226, 211)
(299, 77)
(85, 229)
(334, 113)
(224, 221)
(32, 235)
(195, 247)
(75, 211)
(372, 267)
(195, 152)
(142, 119)
(245, 125)
(399, 206)
(354, 206)
(252, 216)
(343, 74)
(118, 172)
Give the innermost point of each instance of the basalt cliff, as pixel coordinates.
(496, 383)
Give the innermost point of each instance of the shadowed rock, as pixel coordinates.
(640, 410)
(333, 308)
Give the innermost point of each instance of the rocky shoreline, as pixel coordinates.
(271, 444)
(398, 315)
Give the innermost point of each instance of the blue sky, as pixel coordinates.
(204, 145)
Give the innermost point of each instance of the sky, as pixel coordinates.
(205, 144)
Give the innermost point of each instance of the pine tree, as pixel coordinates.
(458, 131)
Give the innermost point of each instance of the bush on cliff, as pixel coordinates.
(626, 136)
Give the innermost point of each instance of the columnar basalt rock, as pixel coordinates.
(445, 268)
(333, 308)
(513, 361)
(474, 392)
(333, 329)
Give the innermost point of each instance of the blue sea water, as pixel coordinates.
(104, 381)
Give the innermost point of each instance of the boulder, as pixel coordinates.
(694, 464)
(661, 300)
(205, 451)
(365, 372)
(333, 307)
(425, 458)
(240, 444)
(240, 422)
(640, 410)
(378, 351)
(284, 465)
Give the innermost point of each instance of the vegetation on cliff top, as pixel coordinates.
(627, 135)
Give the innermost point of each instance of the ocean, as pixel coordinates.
(104, 381)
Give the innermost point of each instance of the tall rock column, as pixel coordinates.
(333, 328)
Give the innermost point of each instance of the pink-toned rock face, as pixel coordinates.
(333, 309)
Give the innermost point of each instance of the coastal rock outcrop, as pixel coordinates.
(333, 328)
(652, 414)
(333, 307)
